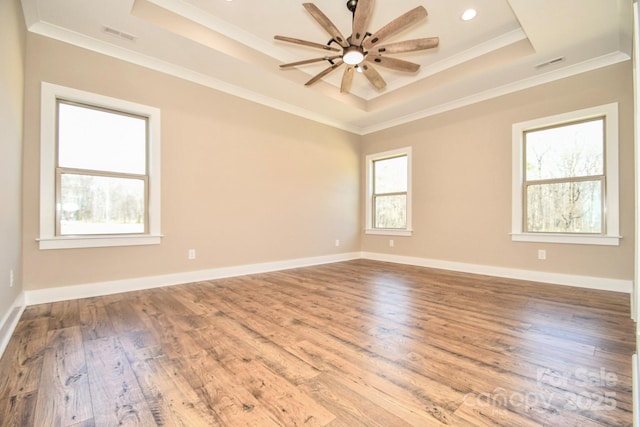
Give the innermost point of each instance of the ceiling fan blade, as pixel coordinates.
(309, 61)
(323, 73)
(326, 24)
(360, 21)
(373, 76)
(395, 26)
(306, 43)
(347, 79)
(408, 46)
(393, 63)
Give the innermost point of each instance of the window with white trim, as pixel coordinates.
(100, 171)
(388, 204)
(565, 178)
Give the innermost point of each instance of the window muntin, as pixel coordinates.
(564, 178)
(101, 173)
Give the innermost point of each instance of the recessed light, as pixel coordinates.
(469, 14)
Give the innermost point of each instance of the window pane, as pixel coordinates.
(390, 175)
(390, 211)
(101, 205)
(574, 150)
(570, 207)
(100, 140)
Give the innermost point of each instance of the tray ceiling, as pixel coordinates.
(229, 46)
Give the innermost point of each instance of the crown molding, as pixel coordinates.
(218, 25)
(61, 34)
(102, 47)
(572, 70)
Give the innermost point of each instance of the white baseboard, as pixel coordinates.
(10, 321)
(601, 283)
(64, 293)
(634, 389)
(117, 286)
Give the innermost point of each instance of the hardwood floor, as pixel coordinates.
(358, 343)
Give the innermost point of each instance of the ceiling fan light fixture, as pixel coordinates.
(352, 55)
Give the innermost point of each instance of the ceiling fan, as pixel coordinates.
(362, 49)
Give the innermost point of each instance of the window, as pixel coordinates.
(100, 175)
(389, 192)
(565, 186)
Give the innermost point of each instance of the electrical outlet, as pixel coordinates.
(191, 254)
(391, 243)
(542, 254)
(337, 242)
(11, 279)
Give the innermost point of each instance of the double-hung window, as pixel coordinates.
(389, 192)
(99, 171)
(565, 185)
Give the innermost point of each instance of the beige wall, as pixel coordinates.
(245, 184)
(241, 183)
(12, 51)
(462, 180)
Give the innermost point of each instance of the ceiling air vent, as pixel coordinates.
(551, 62)
(119, 34)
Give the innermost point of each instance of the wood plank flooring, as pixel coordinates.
(358, 343)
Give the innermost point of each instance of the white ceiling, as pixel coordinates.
(229, 46)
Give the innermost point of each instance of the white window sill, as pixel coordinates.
(69, 242)
(575, 239)
(388, 232)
